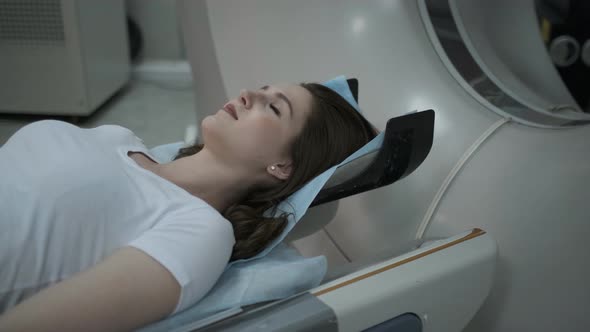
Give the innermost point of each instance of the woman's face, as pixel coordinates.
(256, 128)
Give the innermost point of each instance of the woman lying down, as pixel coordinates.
(97, 236)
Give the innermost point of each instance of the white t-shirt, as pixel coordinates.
(69, 197)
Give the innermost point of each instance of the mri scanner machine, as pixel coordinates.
(489, 232)
(473, 214)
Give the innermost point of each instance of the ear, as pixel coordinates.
(281, 171)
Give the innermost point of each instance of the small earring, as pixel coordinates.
(272, 168)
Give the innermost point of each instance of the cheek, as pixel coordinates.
(263, 132)
(263, 136)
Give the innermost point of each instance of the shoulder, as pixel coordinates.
(203, 217)
(190, 236)
(203, 214)
(195, 245)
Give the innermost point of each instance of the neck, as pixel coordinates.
(204, 176)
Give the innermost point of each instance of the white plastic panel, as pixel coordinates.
(319, 242)
(529, 188)
(443, 288)
(210, 94)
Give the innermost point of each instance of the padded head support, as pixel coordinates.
(406, 143)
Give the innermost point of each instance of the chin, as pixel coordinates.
(213, 133)
(208, 128)
(209, 123)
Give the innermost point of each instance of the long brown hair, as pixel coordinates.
(333, 131)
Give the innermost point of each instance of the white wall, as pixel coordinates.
(158, 22)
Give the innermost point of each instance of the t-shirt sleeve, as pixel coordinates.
(194, 247)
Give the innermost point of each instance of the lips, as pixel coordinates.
(231, 110)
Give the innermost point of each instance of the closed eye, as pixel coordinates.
(284, 98)
(275, 109)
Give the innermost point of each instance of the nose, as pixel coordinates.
(248, 97)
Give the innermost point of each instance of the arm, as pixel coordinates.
(127, 290)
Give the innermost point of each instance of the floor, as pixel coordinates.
(157, 112)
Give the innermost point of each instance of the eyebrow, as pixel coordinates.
(283, 97)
